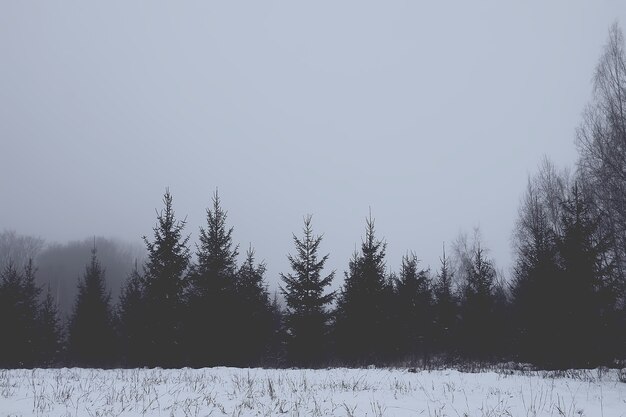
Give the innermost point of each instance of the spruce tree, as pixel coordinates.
(254, 319)
(50, 340)
(445, 309)
(18, 316)
(537, 285)
(131, 319)
(276, 350)
(91, 333)
(30, 306)
(413, 302)
(307, 315)
(479, 334)
(589, 292)
(363, 315)
(164, 286)
(212, 293)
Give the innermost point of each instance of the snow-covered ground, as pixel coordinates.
(333, 392)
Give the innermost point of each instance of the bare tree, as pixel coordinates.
(18, 249)
(463, 249)
(542, 204)
(601, 140)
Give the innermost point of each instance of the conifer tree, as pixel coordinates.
(537, 284)
(18, 316)
(276, 350)
(50, 332)
(212, 293)
(91, 333)
(307, 316)
(589, 292)
(363, 313)
(10, 324)
(479, 334)
(131, 319)
(30, 306)
(413, 303)
(164, 285)
(445, 308)
(253, 317)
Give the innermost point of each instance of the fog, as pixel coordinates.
(61, 266)
(432, 115)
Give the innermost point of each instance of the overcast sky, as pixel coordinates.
(431, 113)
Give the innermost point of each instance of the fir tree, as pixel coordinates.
(30, 306)
(18, 316)
(445, 308)
(131, 318)
(478, 308)
(363, 328)
(537, 285)
(50, 332)
(212, 293)
(254, 313)
(414, 309)
(589, 293)
(276, 350)
(307, 317)
(91, 333)
(164, 285)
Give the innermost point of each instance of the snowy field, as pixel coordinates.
(335, 392)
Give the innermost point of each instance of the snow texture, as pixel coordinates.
(333, 392)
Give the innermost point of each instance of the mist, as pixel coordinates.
(431, 118)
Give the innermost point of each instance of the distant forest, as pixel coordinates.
(563, 306)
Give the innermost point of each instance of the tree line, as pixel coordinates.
(563, 305)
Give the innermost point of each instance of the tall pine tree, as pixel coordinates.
(50, 340)
(478, 307)
(131, 319)
(589, 291)
(91, 333)
(18, 316)
(307, 315)
(164, 286)
(364, 306)
(413, 303)
(537, 284)
(253, 316)
(212, 293)
(445, 309)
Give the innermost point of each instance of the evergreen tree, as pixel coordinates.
(18, 316)
(537, 284)
(479, 333)
(254, 317)
(164, 285)
(212, 293)
(276, 350)
(50, 332)
(589, 291)
(363, 313)
(10, 322)
(131, 319)
(445, 309)
(30, 306)
(414, 308)
(91, 333)
(307, 317)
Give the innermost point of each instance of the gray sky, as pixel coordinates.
(432, 113)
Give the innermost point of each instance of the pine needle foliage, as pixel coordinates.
(307, 316)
